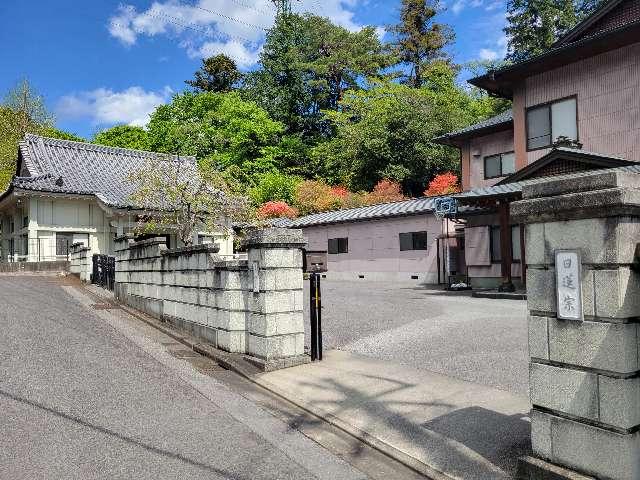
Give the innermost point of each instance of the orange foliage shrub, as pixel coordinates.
(443, 184)
(385, 191)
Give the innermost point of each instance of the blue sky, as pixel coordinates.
(100, 63)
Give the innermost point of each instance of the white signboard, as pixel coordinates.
(568, 285)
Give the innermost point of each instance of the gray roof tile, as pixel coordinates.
(501, 118)
(63, 166)
(383, 210)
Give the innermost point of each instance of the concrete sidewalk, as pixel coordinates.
(455, 429)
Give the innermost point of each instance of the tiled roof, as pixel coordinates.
(500, 119)
(63, 166)
(383, 210)
(516, 187)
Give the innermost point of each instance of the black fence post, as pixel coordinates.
(319, 314)
(315, 315)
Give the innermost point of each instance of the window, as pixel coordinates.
(496, 254)
(413, 241)
(499, 165)
(338, 245)
(516, 249)
(546, 123)
(63, 242)
(25, 222)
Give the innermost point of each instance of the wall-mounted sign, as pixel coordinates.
(568, 285)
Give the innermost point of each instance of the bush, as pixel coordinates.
(316, 196)
(273, 187)
(443, 184)
(385, 191)
(277, 210)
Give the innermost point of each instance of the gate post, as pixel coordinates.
(584, 374)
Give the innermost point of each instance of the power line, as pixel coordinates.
(260, 27)
(205, 30)
(252, 7)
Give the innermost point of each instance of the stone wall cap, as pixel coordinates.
(192, 250)
(610, 202)
(124, 238)
(275, 238)
(585, 182)
(149, 242)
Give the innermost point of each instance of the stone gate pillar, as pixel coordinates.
(584, 374)
(275, 330)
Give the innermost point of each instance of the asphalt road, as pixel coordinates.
(86, 398)
(478, 340)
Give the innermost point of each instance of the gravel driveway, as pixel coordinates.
(478, 340)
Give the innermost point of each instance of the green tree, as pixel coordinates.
(387, 132)
(274, 186)
(124, 136)
(534, 25)
(220, 129)
(53, 132)
(419, 40)
(22, 111)
(217, 74)
(307, 63)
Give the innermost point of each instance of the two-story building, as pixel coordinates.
(574, 108)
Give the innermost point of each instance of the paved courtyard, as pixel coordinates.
(477, 340)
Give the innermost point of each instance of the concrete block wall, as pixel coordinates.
(585, 375)
(251, 307)
(81, 262)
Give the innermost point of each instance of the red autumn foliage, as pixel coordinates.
(277, 210)
(443, 184)
(340, 191)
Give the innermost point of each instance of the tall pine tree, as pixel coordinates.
(419, 39)
(534, 25)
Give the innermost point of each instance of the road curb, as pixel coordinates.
(239, 365)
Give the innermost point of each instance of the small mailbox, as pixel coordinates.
(315, 261)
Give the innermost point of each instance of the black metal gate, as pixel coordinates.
(104, 271)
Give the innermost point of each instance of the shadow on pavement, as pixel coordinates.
(125, 438)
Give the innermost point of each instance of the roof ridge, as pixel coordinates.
(369, 206)
(586, 22)
(106, 148)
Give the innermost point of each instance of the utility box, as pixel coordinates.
(315, 261)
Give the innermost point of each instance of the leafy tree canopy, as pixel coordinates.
(124, 136)
(307, 64)
(419, 39)
(387, 132)
(217, 74)
(534, 25)
(220, 129)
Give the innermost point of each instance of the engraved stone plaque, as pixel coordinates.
(569, 285)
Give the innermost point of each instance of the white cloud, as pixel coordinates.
(496, 52)
(236, 28)
(104, 106)
(488, 54)
(457, 7)
(244, 56)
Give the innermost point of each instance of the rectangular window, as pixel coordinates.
(516, 251)
(496, 254)
(546, 123)
(338, 245)
(63, 241)
(499, 165)
(25, 222)
(413, 241)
